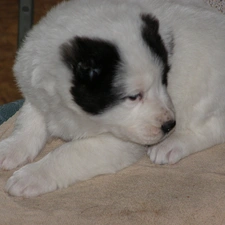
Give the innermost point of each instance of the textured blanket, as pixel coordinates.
(189, 192)
(218, 4)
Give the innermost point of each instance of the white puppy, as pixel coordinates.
(101, 75)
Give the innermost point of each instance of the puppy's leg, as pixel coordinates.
(26, 141)
(74, 161)
(183, 143)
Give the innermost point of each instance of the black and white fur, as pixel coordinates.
(112, 78)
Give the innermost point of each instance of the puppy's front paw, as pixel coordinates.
(169, 151)
(30, 181)
(12, 155)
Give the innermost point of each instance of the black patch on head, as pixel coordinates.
(154, 41)
(94, 63)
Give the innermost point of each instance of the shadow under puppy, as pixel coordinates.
(107, 77)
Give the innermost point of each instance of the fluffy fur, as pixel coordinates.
(112, 78)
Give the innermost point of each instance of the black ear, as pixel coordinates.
(152, 23)
(151, 36)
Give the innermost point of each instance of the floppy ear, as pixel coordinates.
(152, 37)
(150, 34)
(152, 23)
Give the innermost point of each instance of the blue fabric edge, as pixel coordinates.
(9, 109)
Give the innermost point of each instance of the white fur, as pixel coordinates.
(117, 138)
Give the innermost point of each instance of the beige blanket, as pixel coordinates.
(189, 192)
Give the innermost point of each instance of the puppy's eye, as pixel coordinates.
(138, 96)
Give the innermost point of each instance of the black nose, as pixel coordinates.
(168, 126)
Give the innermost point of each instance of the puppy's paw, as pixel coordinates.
(169, 151)
(30, 181)
(12, 155)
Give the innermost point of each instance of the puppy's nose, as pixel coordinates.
(168, 126)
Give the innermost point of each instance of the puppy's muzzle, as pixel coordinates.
(168, 126)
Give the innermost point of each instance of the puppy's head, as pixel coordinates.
(120, 82)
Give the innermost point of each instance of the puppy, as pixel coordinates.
(107, 77)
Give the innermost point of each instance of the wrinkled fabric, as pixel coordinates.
(189, 192)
